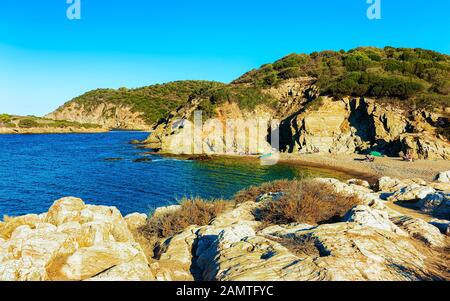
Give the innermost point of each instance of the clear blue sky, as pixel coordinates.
(45, 59)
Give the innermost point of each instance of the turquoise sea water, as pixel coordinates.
(36, 170)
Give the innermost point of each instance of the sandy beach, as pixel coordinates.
(386, 166)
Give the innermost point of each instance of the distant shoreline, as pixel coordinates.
(42, 131)
(37, 131)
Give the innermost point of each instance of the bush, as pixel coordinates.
(290, 73)
(28, 123)
(392, 86)
(270, 79)
(308, 202)
(193, 212)
(250, 194)
(5, 118)
(356, 62)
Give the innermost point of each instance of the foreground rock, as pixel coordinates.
(73, 241)
(444, 177)
(372, 242)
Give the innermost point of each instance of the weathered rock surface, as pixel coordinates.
(372, 243)
(412, 192)
(73, 241)
(366, 216)
(420, 229)
(109, 115)
(444, 177)
(442, 225)
(436, 203)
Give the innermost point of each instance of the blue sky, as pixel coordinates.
(46, 59)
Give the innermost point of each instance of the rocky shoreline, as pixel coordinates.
(44, 130)
(372, 241)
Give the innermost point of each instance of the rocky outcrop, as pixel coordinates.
(72, 241)
(174, 135)
(353, 125)
(443, 177)
(108, 115)
(373, 242)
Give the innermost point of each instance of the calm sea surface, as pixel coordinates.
(36, 170)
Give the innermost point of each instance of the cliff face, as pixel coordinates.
(313, 123)
(107, 115)
(351, 125)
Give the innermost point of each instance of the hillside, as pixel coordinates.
(129, 108)
(11, 124)
(392, 100)
(389, 100)
(401, 75)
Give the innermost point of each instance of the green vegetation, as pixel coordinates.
(27, 122)
(417, 76)
(401, 76)
(246, 97)
(5, 118)
(155, 102)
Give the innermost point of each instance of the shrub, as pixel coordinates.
(28, 123)
(250, 194)
(356, 62)
(392, 86)
(309, 202)
(290, 73)
(292, 60)
(193, 212)
(5, 118)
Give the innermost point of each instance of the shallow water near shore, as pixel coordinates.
(36, 170)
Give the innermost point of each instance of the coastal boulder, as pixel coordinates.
(135, 221)
(413, 192)
(93, 261)
(65, 210)
(424, 146)
(73, 241)
(444, 177)
(366, 216)
(421, 230)
(166, 210)
(436, 203)
(442, 225)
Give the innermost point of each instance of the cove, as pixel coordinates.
(101, 168)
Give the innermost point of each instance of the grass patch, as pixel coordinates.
(307, 201)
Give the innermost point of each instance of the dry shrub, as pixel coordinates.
(308, 202)
(251, 194)
(302, 247)
(193, 212)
